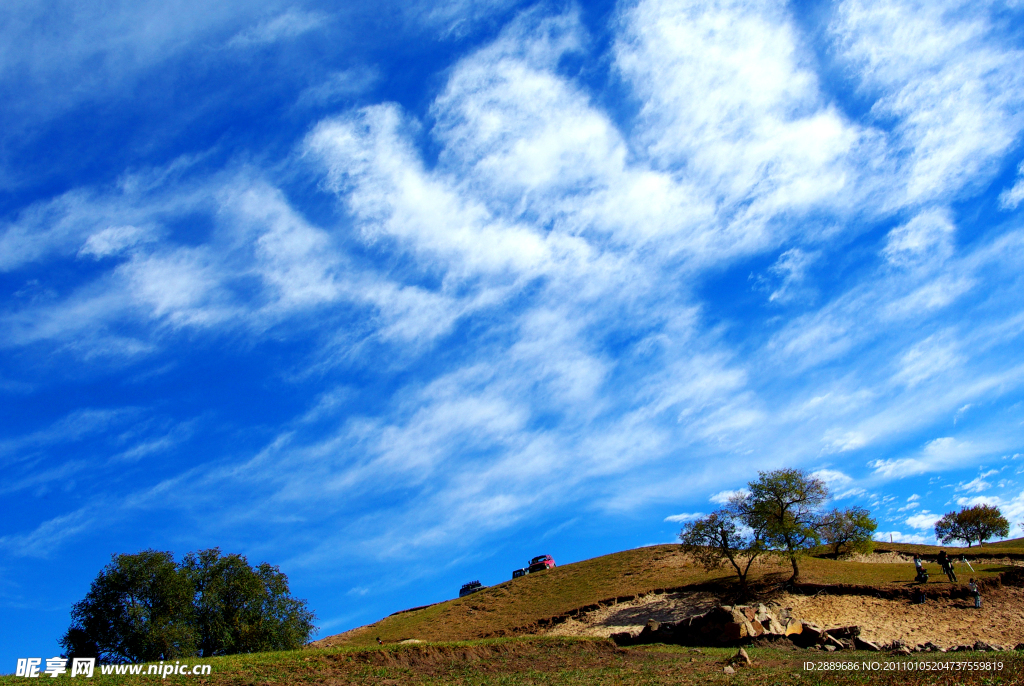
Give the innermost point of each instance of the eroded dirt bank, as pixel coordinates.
(943, 621)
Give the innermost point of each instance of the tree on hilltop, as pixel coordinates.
(719, 536)
(978, 523)
(783, 505)
(852, 528)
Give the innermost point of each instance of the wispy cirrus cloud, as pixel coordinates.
(288, 24)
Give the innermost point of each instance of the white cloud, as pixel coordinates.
(730, 104)
(976, 485)
(833, 478)
(926, 241)
(113, 240)
(940, 454)
(290, 24)
(392, 195)
(70, 428)
(1011, 197)
(456, 19)
(684, 517)
(791, 269)
(836, 442)
(944, 73)
(936, 355)
(44, 540)
(338, 86)
(765, 83)
(900, 537)
(580, 250)
(961, 412)
(924, 520)
(723, 497)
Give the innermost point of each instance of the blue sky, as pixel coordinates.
(397, 296)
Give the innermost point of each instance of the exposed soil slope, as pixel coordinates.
(943, 621)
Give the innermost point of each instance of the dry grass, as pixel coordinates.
(516, 603)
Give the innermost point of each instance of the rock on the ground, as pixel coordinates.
(861, 644)
(741, 657)
(623, 638)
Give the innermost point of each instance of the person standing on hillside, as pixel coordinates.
(946, 565)
(973, 586)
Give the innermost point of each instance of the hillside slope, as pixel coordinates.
(515, 607)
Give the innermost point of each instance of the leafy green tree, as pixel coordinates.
(136, 610)
(978, 523)
(783, 504)
(851, 528)
(242, 609)
(144, 607)
(717, 537)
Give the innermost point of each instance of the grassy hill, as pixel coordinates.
(514, 607)
(457, 650)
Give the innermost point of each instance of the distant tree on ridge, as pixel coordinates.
(852, 528)
(719, 537)
(978, 523)
(783, 505)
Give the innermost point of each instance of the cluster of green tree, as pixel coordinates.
(144, 607)
(970, 524)
(779, 513)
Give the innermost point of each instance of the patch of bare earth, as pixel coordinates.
(943, 621)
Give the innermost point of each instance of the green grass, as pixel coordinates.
(565, 662)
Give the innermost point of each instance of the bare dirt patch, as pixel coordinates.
(943, 621)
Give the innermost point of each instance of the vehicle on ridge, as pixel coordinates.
(537, 564)
(540, 563)
(471, 587)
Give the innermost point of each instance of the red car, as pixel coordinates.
(540, 563)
